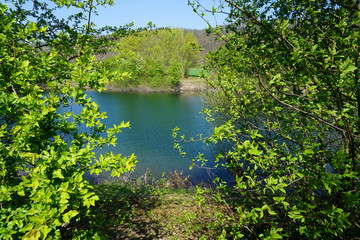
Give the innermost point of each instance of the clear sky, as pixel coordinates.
(162, 13)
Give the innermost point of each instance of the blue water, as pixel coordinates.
(152, 118)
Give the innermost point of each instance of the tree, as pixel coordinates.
(175, 73)
(289, 72)
(189, 52)
(150, 56)
(43, 154)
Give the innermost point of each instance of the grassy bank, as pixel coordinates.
(169, 208)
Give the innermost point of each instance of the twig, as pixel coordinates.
(302, 111)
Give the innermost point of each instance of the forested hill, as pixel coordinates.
(208, 42)
(158, 59)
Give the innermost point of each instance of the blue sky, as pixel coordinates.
(163, 13)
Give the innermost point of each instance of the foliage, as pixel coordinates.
(155, 58)
(175, 73)
(43, 155)
(207, 41)
(120, 204)
(146, 208)
(292, 124)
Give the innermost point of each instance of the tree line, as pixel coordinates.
(157, 58)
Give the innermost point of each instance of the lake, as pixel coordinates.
(152, 118)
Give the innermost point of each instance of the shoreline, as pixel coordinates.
(186, 85)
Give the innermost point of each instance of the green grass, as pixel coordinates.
(197, 72)
(161, 209)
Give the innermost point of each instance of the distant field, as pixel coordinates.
(196, 72)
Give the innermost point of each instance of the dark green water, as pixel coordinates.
(152, 118)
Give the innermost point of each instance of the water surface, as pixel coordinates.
(152, 118)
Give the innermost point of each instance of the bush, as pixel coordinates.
(43, 155)
(293, 126)
(175, 73)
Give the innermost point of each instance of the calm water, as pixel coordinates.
(152, 118)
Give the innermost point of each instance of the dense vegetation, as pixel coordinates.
(43, 154)
(285, 111)
(155, 59)
(288, 102)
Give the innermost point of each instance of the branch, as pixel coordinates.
(200, 15)
(353, 6)
(288, 94)
(262, 25)
(89, 18)
(8, 78)
(302, 111)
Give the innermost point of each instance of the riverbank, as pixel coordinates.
(191, 84)
(137, 210)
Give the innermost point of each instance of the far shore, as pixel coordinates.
(186, 85)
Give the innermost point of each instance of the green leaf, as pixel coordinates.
(27, 228)
(70, 214)
(21, 193)
(349, 69)
(64, 197)
(255, 151)
(32, 235)
(271, 212)
(58, 174)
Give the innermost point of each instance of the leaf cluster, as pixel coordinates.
(288, 77)
(46, 64)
